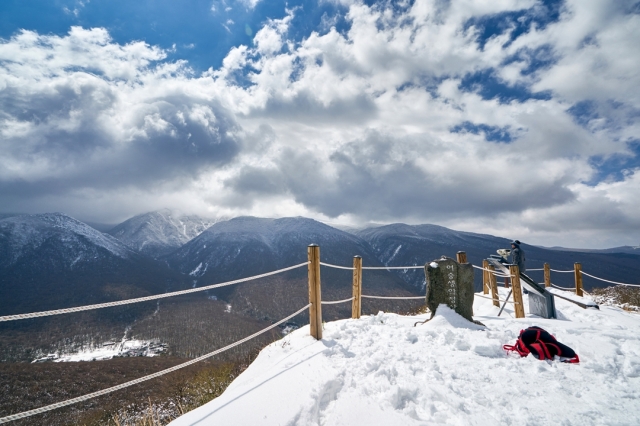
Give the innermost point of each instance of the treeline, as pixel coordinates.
(29, 386)
(195, 325)
(26, 340)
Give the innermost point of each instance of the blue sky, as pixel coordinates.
(514, 117)
(203, 31)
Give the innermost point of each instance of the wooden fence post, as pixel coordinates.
(485, 277)
(577, 270)
(356, 305)
(315, 298)
(493, 284)
(517, 291)
(547, 275)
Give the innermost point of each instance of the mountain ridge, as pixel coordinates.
(160, 232)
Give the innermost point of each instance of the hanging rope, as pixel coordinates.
(335, 302)
(393, 267)
(389, 297)
(563, 288)
(612, 282)
(143, 299)
(336, 266)
(372, 267)
(142, 379)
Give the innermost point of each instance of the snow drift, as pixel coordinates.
(381, 370)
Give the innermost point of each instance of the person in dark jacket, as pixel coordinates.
(517, 255)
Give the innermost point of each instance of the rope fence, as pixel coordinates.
(393, 267)
(393, 297)
(563, 288)
(336, 266)
(612, 282)
(86, 397)
(329, 265)
(335, 302)
(143, 299)
(563, 272)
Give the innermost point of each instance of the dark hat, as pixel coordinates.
(515, 243)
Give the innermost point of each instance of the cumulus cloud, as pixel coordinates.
(466, 113)
(81, 111)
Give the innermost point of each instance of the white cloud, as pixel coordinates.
(249, 4)
(353, 127)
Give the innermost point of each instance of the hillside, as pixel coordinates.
(383, 370)
(248, 246)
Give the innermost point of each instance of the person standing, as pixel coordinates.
(517, 256)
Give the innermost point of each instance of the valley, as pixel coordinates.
(53, 261)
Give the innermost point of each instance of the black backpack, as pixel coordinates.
(542, 345)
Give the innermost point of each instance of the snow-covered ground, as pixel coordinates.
(381, 370)
(125, 348)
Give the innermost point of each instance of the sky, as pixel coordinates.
(517, 118)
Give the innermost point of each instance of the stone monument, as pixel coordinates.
(451, 283)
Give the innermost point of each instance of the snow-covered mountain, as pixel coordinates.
(161, 232)
(270, 243)
(383, 370)
(52, 260)
(400, 245)
(247, 246)
(21, 235)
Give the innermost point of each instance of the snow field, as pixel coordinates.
(381, 370)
